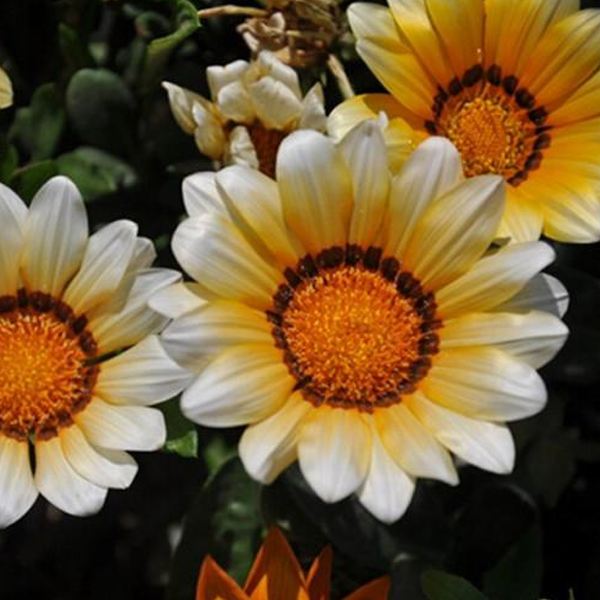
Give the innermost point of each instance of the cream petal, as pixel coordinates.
(218, 77)
(208, 133)
(16, 481)
(200, 195)
(494, 279)
(13, 214)
(122, 427)
(104, 264)
(241, 150)
(315, 189)
(134, 321)
(270, 446)
(56, 236)
(197, 335)
(387, 490)
(486, 445)
(61, 485)
(413, 447)
(215, 253)
(441, 249)
(235, 103)
(313, 110)
(366, 157)
(142, 375)
(533, 337)
(6, 90)
(243, 384)
(253, 200)
(433, 169)
(181, 102)
(275, 104)
(485, 383)
(144, 254)
(105, 468)
(270, 65)
(176, 300)
(334, 452)
(543, 292)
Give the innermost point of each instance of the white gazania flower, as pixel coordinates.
(254, 106)
(358, 322)
(79, 358)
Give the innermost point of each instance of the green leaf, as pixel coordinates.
(38, 128)
(182, 437)
(75, 53)
(9, 159)
(223, 522)
(185, 16)
(28, 180)
(96, 173)
(101, 110)
(438, 585)
(518, 575)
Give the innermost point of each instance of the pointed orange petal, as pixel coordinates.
(276, 573)
(215, 584)
(319, 576)
(378, 589)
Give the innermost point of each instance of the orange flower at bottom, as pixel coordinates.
(277, 575)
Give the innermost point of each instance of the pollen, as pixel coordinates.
(45, 371)
(356, 336)
(266, 143)
(489, 136)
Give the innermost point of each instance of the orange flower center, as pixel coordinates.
(495, 124)
(266, 143)
(45, 371)
(357, 331)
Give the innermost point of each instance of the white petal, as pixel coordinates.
(56, 236)
(218, 77)
(13, 214)
(235, 104)
(214, 252)
(413, 447)
(486, 445)
(432, 169)
(276, 105)
(144, 254)
(315, 189)
(533, 337)
(365, 154)
(181, 102)
(16, 481)
(105, 262)
(142, 375)
(313, 110)
(442, 248)
(334, 452)
(494, 279)
(270, 446)
(270, 65)
(105, 468)
(122, 427)
(175, 301)
(543, 292)
(253, 200)
(61, 485)
(208, 134)
(194, 337)
(485, 383)
(134, 321)
(387, 490)
(241, 150)
(200, 195)
(244, 384)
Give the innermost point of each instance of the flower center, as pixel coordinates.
(495, 124)
(357, 331)
(266, 143)
(45, 371)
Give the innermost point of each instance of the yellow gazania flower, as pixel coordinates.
(354, 320)
(254, 106)
(514, 84)
(277, 575)
(69, 304)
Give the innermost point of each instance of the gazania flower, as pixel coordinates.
(514, 84)
(356, 321)
(277, 575)
(254, 106)
(78, 363)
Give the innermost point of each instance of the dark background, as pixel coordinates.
(535, 533)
